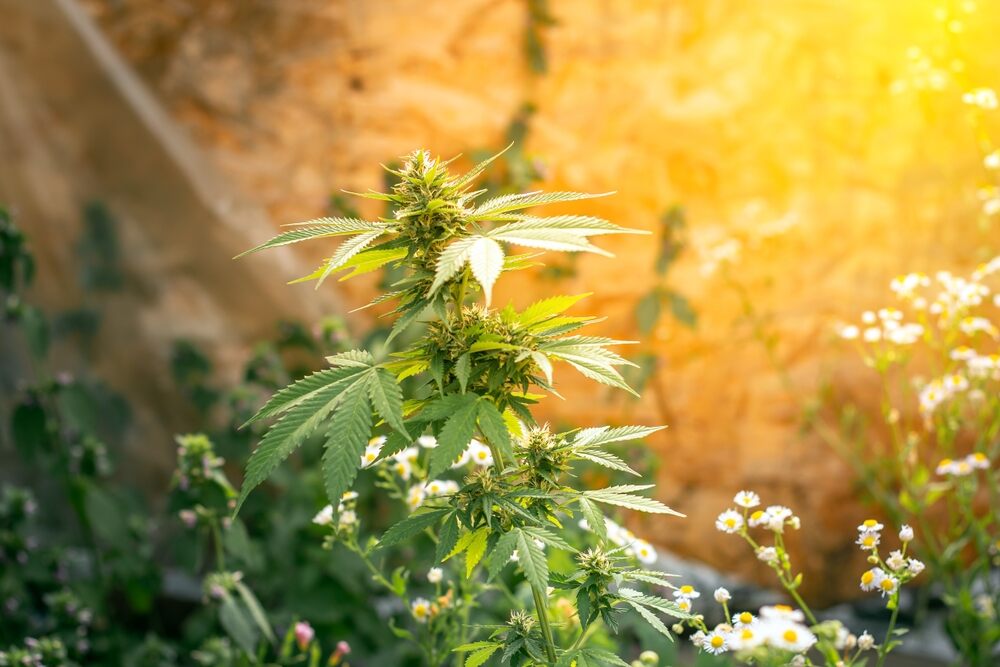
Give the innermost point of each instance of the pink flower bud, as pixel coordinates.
(304, 634)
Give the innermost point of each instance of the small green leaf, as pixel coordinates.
(594, 517)
(348, 434)
(477, 547)
(532, 560)
(387, 398)
(411, 526)
(463, 366)
(492, 424)
(454, 438)
(480, 656)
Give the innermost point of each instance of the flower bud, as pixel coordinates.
(905, 534)
(866, 641)
(304, 634)
(722, 596)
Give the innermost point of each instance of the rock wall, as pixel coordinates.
(821, 147)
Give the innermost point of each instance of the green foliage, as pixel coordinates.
(473, 377)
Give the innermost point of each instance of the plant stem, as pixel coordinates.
(883, 650)
(543, 620)
(584, 634)
(220, 557)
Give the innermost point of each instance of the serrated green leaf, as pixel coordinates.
(372, 260)
(352, 359)
(348, 434)
(412, 525)
(610, 496)
(580, 225)
(476, 549)
(648, 576)
(486, 261)
(345, 251)
(447, 538)
(533, 561)
(454, 438)
(451, 260)
(548, 537)
(604, 435)
(302, 390)
(479, 657)
(461, 544)
(594, 517)
(501, 553)
(548, 308)
(605, 459)
(463, 366)
(494, 428)
(292, 429)
(549, 240)
(651, 618)
(319, 228)
(387, 398)
(514, 202)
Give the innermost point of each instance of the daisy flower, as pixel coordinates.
(715, 642)
(978, 461)
(729, 521)
(421, 610)
(870, 579)
(347, 518)
(686, 591)
(462, 459)
(324, 517)
(767, 554)
(372, 451)
(888, 585)
(790, 636)
(870, 525)
(743, 619)
(402, 468)
(435, 575)
(745, 637)
(781, 612)
(427, 441)
(415, 496)
(915, 566)
(747, 499)
(644, 552)
(480, 453)
(756, 519)
(868, 540)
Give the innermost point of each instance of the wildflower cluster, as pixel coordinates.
(937, 471)
(890, 573)
(782, 634)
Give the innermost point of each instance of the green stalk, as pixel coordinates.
(883, 650)
(543, 620)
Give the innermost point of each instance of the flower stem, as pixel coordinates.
(883, 650)
(543, 620)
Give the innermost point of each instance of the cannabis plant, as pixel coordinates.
(473, 378)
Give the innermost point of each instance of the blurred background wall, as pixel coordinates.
(818, 148)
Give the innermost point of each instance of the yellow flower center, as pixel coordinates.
(979, 457)
(782, 608)
(757, 515)
(870, 523)
(868, 577)
(868, 541)
(887, 584)
(746, 617)
(790, 635)
(945, 462)
(730, 522)
(717, 641)
(687, 590)
(746, 634)
(482, 456)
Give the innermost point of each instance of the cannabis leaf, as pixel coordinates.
(347, 394)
